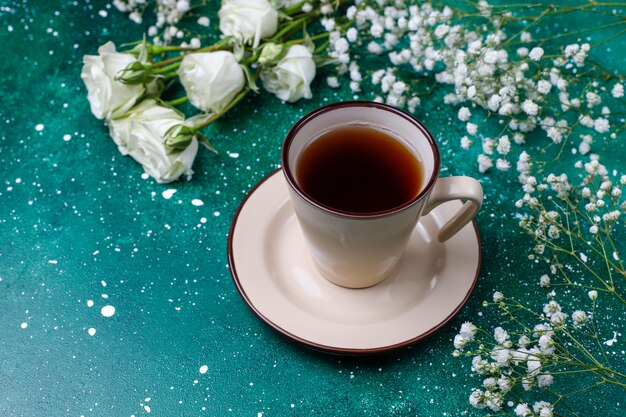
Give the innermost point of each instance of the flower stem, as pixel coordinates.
(312, 38)
(222, 44)
(615, 35)
(219, 114)
(177, 101)
(293, 9)
(166, 68)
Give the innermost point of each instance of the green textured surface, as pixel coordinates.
(80, 203)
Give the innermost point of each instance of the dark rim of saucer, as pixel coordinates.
(325, 348)
(346, 104)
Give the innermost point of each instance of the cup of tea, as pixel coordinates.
(360, 175)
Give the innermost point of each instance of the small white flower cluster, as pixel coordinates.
(475, 61)
(168, 15)
(505, 364)
(598, 198)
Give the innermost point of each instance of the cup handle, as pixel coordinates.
(453, 188)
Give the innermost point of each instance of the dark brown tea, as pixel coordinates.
(359, 169)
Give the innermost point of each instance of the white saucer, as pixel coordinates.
(276, 278)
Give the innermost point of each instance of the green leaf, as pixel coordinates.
(323, 60)
(250, 79)
(205, 141)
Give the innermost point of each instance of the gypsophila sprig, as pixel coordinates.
(520, 367)
(573, 225)
(494, 63)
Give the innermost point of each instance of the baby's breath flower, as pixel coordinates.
(544, 281)
(464, 114)
(468, 330)
(484, 163)
(543, 408)
(460, 342)
(601, 125)
(522, 410)
(490, 383)
(502, 164)
(523, 341)
(593, 295)
(500, 335)
(553, 232)
(536, 53)
(504, 145)
(332, 82)
(501, 356)
(544, 380)
(579, 318)
(530, 107)
(477, 399)
(479, 365)
(466, 142)
(618, 90)
(546, 344)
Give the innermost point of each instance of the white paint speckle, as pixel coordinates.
(104, 283)
(24, 325)
(67, 137)
(103, 13)
(145, 176)
(197, 202)
(39, 127)
(107, 311)
(91, 331)
(216, 213)
(105, 296)
(611, 341)
(167, 194)
(233, 155)
(147, 408)
(203, 220)
(18, 180)
(53, 261)
(89, 303)
(204, 369)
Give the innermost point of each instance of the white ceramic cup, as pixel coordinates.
(361, 250)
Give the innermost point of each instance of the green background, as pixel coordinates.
(75, 200)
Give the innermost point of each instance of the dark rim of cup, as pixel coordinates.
(341, 105)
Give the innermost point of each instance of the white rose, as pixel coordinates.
(145, 111)
(108, 97)
(141, 134)
(211, 79)
(248, 20)
(290, 79)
